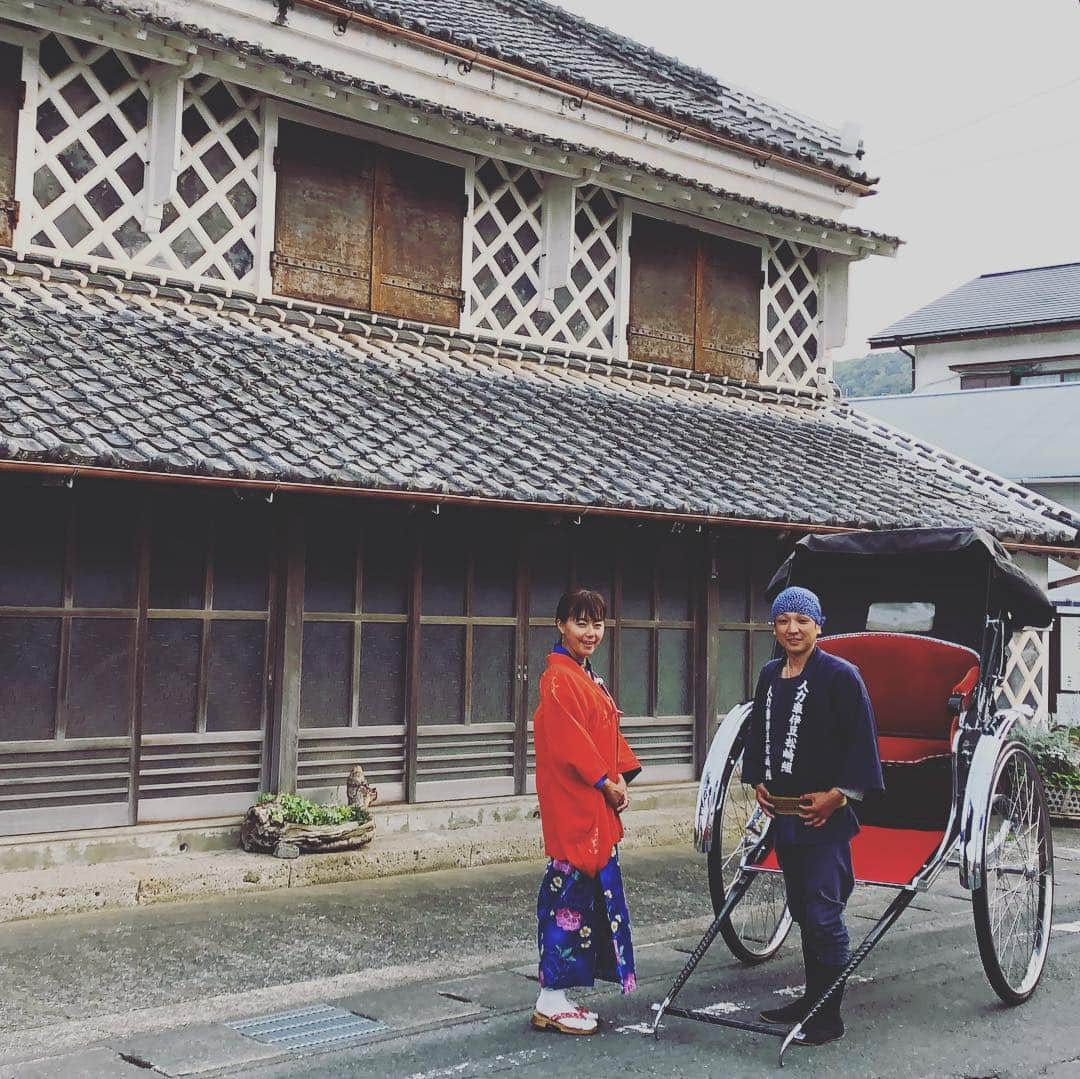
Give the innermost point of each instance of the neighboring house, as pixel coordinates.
(1017, 328)
(336, 340)
(997, 382)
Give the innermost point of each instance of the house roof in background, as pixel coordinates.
(552, 41)
(1018, 299)
(140, 374)
(1027, 433)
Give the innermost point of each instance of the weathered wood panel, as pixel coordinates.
(728, 308)
(663, 272)
(325, 191)
(11, 95)
(419, 217)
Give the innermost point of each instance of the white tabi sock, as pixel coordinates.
(555, 1002)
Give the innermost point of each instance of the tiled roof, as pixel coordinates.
(547, 38)
(1018, 299)
(126, 373)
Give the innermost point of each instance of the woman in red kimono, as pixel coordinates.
(583, 766)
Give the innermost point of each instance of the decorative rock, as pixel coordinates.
(286, 850)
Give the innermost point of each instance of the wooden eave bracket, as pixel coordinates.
(163, 148)
(834, 300)
(557, 233)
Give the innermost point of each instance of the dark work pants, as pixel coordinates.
(819, 880)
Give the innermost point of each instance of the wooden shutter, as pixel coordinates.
(419, 215)
(322, 240)
(11, 98)
(663, 272)
(694, 300)
(728, 308)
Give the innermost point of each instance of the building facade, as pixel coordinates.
(337, 341)
(996, 376)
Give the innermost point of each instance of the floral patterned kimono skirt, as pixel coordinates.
(583, 928)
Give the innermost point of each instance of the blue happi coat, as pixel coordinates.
(812, 733)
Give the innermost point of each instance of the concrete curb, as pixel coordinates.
(74, 889)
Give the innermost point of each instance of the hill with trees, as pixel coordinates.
(880, 374)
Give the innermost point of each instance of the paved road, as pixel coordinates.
(445, 961)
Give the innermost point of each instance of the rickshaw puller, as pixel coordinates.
(812, 738)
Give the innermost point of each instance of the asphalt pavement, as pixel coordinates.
(432, 976)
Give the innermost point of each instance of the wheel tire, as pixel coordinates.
(1013, 906)
(761, 921)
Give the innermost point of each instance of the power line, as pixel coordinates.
(981, 119)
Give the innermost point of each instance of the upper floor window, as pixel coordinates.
(695, 300)
(11, 91)
(1017, 377)
(367, 226)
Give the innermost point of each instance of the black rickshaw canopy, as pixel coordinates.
(964, 572)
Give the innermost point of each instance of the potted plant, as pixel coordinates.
(288, 825)
(1057, 755)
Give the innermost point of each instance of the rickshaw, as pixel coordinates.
(927, 616)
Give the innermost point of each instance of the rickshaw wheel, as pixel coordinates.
(759, 923)
(1013, 906)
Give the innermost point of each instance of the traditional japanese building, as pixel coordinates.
(338, 338)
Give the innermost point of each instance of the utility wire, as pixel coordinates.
(980, 119)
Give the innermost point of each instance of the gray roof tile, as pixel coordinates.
(1017, 299)
(239, 396)
(555, 42)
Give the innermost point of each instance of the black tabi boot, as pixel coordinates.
(826, 1025)
(795, 1012)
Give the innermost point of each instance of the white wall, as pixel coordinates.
(932, 361)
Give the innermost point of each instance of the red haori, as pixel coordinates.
(577, 737)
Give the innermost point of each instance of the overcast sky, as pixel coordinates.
(970, 114)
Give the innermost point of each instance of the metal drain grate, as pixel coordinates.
(308, 1028)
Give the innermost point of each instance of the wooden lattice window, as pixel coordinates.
(505, 228)
(367, 226)
(742, 564)
(649, 654)
(694, 300)
(792, 344)
(11, 98)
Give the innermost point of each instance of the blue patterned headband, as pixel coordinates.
(797, 600)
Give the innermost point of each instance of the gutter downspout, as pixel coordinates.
(470, 58)
(272, 487)
(910, 356)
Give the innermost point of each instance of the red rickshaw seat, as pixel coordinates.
(884, 855)
(903, 750)
(910, 680)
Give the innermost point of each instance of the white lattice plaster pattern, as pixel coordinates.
(504, 231)
(1027, 673)
(89, 167)
(792, 311)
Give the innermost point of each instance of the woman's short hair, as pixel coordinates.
(581, 603)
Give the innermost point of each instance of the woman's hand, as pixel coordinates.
(763, 800)
(622, 787)
(816, 808)
(615, 794)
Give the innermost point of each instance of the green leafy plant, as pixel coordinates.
(292, 809)
(1056, 753)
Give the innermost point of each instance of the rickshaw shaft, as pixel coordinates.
(738, 890)
(893, 911)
